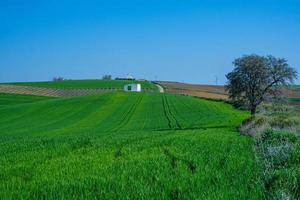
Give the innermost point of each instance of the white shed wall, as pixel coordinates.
(134, 88)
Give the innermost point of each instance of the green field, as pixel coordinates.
(294, 100)
(295, 87)
(67, 84)
(126, 146)
(13, 99)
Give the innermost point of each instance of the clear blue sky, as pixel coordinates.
(180, 40)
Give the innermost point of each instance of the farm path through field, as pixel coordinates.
(160, 88)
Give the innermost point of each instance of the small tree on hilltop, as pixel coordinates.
(58, 78)
(107, 77)
(256, 77)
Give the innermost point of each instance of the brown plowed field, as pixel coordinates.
(206, 91)
(211, 91)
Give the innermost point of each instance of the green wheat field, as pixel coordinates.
(124, 146)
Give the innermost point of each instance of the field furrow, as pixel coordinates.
(128, 115)
(172, 122)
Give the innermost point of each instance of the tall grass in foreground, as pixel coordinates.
(279, 153)
(195, 164)
(277, 145)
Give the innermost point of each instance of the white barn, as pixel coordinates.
(134, 87)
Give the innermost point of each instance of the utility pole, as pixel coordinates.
(216, 80)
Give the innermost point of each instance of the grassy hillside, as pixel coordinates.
(126, 146)
(117, 84)
(13, 99)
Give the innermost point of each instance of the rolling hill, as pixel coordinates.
(70, 88)
(83, 84)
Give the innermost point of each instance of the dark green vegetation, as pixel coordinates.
(110, 84)
(126, 146)
(294, 100)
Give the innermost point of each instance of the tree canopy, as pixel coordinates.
(256, 77)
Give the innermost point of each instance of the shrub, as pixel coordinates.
(254, 125)
(279, 153)
(283, 122)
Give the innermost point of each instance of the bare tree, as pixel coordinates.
(255, 77)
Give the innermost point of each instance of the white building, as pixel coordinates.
(134, 87)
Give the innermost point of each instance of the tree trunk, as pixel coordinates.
(253, 110)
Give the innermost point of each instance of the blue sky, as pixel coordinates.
(180, 40)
